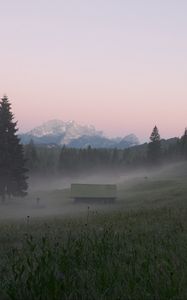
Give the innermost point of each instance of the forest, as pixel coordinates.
(64, 161)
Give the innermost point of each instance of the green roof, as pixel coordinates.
(93, 191)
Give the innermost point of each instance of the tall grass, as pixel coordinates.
(122, 255)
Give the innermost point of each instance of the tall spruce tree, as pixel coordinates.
(154, 147)
(183, 144)
(12, 163)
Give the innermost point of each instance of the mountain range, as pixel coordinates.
(72, 134)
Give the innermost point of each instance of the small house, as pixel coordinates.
(92, 193)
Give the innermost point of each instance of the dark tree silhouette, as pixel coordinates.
(183, 144)
(31, 156)
(154, 147)
(12, 163)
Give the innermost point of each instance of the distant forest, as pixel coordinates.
(64, 161)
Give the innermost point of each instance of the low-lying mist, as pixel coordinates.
(49, 196)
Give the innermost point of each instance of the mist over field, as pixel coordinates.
(55, 199)
(141, 236)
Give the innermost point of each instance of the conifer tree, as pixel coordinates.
(183, 144)
(12, 164)
(154, 147)
(31, 156)
(63, 160)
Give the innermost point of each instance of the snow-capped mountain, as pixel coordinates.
(59, 132)
(53, 127)
(75, 135)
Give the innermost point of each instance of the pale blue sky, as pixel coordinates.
(79, 59)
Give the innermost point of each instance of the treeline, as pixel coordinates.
(66, 161)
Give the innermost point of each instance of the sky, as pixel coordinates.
(120, 65)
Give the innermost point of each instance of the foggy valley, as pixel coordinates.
(73, 218)
(93, 150)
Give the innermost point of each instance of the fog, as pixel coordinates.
(50, 196)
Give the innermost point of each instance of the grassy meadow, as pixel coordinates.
(133, 249)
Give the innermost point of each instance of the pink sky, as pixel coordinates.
(119, 65)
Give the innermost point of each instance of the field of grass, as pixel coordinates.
(134, 249)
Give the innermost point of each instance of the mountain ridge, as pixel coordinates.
(75, 135)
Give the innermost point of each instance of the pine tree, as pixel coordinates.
(115, 157)
(31, 156)
(183, 144)
(154, 147)
(12, 164)
(63, 160)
